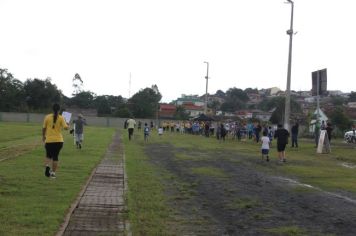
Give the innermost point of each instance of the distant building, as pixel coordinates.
(335, 92)
(166, 111)
(351, 104)
(192, 109)
(189, 99)
(274, 91)
(244, 114)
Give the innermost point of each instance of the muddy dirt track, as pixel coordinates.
(244, 200)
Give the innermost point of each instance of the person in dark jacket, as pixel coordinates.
(329, 129)
(295, 131)
(282, 136)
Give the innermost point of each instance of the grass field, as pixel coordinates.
(150, 197)
(173, 181)
(30, 203)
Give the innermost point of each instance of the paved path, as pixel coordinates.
(100, 208)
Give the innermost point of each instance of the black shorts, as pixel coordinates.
(53, 149)
(281, 147)
(130, 131)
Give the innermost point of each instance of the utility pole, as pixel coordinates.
(287, 104)
(206, 88)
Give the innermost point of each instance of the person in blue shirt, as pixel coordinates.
(146, 132)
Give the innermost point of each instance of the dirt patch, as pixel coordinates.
(17, 150)
(243, 200)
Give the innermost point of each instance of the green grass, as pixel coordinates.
(32, 204)
(287, 231)
(148, 211)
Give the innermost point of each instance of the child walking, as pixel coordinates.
(146, 132)
(265, 146)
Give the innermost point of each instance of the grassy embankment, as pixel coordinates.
(30, 203)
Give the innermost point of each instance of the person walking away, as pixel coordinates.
(79, 130)
(146, 132)
(139, 125)
(295, 131)
(258, 131)
(270, 135)
(207, 129)
(317, 132)
(130, 127)
(329, 129)
(265, 145)
(222, 132)
(53, 139)
(282, 136)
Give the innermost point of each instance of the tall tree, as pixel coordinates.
(41, 94)
(144, 104)
(235, 100)
(11, 92)
(339, 119)
(84, 99)
(77, 84)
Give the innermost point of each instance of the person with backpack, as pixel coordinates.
(146, 132)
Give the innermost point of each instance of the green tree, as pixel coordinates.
(144, 104)
(235, 100)
(251, 90)
(11, 92)
(337, 100)
(278, 104)
(339, 119)
(102, 105)
(41, 94)
(84, 99)
(220, 93)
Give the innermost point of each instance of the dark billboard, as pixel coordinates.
(322, 75)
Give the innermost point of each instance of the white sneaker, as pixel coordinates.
(53, 175)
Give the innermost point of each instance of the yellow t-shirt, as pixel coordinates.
(54, 135)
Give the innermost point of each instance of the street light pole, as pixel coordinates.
(206, 88)
(287, 104)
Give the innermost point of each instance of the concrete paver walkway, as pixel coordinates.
(100, 209)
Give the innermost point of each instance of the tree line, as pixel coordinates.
(37, 95)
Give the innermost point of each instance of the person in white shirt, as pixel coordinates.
(265, 146)
(130, 126)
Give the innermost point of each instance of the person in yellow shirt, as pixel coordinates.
(52, 137)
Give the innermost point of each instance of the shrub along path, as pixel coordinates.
(100, 209)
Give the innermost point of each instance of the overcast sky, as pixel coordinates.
(166, 42)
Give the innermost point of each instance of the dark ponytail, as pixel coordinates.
(56, 109)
